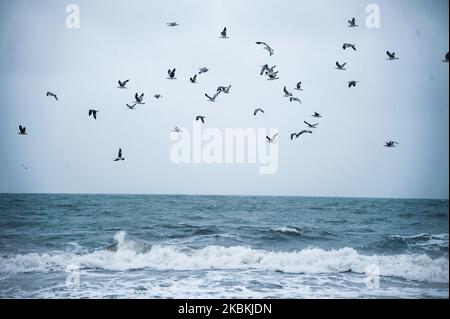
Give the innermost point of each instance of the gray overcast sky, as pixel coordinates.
(405, 100)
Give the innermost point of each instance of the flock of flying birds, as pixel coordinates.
(271, 74)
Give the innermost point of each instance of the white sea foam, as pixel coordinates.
(286, 229)
(130, 255)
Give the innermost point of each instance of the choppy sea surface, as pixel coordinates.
(170, 246)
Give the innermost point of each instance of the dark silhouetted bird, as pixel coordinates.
(272, 139)
(299, 86)
(139, 98)
(295, 99)
(311, 125)
(119, 156)
(171, 74)
(213, 98)
(22, 130)
(391, 56)
(352, 83)
(297, 135)
(223, 34)
(348, 45)
(340, 66)
(53, 95)
(257, 110)
(93, 113)
(201, 118)
(390, 144)
(286, 92)
(352, 23)
(122, 85)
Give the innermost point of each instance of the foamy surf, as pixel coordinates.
(128, 254)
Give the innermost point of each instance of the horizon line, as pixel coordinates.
(224, 195)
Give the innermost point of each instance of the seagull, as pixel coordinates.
(212, 99)
(25, 167)
(193, 79)
(390, 144)
(311, 125)
(139, 98)
(316, 115)
(266, 47)
(224, 89)
(340, 66)
(172, 24)
(52, 94)
(171, 74)
(352, 83)
(391, 55)
(22, 130)
(352, 23)
(201, 118)
(273, 139)
(257, 110)
(297, 135)
(286, 92)
(176, 129)
(157, 96)
(132, 107)
(223, 34)
(348, 45)
(446, 58)
(93, 113)
(203, 70)
(299, 86)
(268, 70)
(273, 76)
(122, 85)
(119, 156)
(295, 99)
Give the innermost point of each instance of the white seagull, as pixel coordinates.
(266, 47)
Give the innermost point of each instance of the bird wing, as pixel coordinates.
(208, 96)
(215, 95)
(275, 136)
(285, 91)
(338, 65)
(268, 138)
(90, 112)
(120, 152)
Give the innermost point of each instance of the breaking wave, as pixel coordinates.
(127, 254)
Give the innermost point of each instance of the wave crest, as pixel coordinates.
(130, 255)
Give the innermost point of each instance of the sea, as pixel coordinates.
(183, 246)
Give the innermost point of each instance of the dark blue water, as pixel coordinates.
(158, 246)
